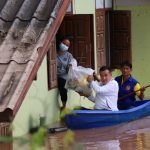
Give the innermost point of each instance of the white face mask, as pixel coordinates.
(63, 47)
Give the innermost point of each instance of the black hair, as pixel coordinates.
(126, 63)
(68, 37)
(103, 68)
(60, 39)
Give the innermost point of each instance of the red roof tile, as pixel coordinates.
(24, 26)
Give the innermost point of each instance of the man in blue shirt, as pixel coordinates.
(127, 84)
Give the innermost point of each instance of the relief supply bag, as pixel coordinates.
(77, 79)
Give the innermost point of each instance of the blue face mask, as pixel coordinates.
(63, 47)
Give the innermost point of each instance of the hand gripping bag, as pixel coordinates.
(77, 79)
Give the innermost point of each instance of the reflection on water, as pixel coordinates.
(130, 136)
(6, 146)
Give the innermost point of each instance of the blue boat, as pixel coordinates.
(84, 119)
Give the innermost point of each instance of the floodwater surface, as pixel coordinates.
(134, 135)
(130, 136)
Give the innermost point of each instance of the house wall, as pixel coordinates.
(131, 3)
(39, 102)
(140, 24)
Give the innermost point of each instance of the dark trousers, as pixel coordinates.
(62, 90)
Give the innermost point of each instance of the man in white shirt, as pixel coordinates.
(106, 90)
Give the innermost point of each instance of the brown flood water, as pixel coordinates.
(130, 136)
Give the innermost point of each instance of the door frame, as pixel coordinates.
(91, 36)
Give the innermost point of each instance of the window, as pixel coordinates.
(120, 37)
(52, 66)
(99, 4)
(79, 28)
(108, 3)
(102, 4)
(70, 9)
(113, 35)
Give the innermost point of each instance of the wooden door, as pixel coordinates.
(80, 29)
(100, 38)
(120, 37)
(52, 67)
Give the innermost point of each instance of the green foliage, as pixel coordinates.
(77, 108)
(78, 147)
(65, 112)
(69, 142)
(68, 111)
(38, 138)
(68, 139)
(6, 139)
(36, 141)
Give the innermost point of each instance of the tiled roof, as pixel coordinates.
(24, 26)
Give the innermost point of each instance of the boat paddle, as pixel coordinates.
(125, 96)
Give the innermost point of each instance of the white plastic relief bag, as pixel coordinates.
(77, 79)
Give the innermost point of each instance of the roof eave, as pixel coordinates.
(42, 53)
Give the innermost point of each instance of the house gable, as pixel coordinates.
(26, 31)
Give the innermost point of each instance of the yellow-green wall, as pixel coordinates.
(140, 21)
(39, 102)
(83, 7)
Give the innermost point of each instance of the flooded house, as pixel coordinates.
(102, 32)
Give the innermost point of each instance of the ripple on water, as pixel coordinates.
(130, 136)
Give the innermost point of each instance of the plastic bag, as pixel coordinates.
(77, 79)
